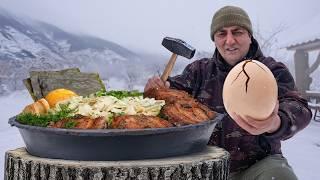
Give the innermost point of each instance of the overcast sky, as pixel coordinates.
(142, 24)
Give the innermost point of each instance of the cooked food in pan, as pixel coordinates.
(181, 108)
(158, 108)
(139, 122)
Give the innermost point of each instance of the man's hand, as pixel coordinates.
(156, 82)
(256, 127)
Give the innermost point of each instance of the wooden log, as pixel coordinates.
(212, 163)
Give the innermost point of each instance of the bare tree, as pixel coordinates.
(132, 76)
(269, 41)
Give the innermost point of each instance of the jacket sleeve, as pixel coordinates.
(188, 80)
(293, 108)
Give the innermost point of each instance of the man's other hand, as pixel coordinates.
(256, 127)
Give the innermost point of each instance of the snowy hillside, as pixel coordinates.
(27, 45)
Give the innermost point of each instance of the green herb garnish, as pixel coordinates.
(110, 120)
(119, 94)
(70, 124)
(43, 120)
(120, 114)
(112, 116)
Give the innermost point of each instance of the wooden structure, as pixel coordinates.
(301, 62)
(303, 71)
(306, 39)
(213, 163)
(314, 103)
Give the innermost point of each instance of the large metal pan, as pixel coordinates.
(115, 144)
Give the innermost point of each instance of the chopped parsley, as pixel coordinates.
(44, 120)
(119, 94)
(70, 124)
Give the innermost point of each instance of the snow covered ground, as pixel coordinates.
(302, 151)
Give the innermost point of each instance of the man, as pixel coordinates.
(254, 145)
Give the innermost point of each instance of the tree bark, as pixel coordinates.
(212, 163)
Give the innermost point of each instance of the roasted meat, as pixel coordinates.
(181, 113)
(81, 122)
(139, 122)
(169, 95)
(181, 108)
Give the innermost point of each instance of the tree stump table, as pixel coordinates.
(212, 163)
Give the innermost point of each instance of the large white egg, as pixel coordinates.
(250, 89)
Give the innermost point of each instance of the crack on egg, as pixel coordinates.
(246, 74)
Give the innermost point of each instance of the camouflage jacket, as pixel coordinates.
(204, 80)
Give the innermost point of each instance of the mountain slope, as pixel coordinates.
(27, 45)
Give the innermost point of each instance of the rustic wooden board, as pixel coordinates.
(41, 83)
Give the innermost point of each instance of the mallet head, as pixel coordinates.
(179, 47)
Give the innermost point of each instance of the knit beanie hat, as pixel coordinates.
(230, 16)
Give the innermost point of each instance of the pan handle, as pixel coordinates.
(12, 120)
(220, 117)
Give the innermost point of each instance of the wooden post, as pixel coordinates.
(301, 61)
(212, 163)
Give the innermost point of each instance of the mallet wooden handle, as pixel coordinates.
(169, 67)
